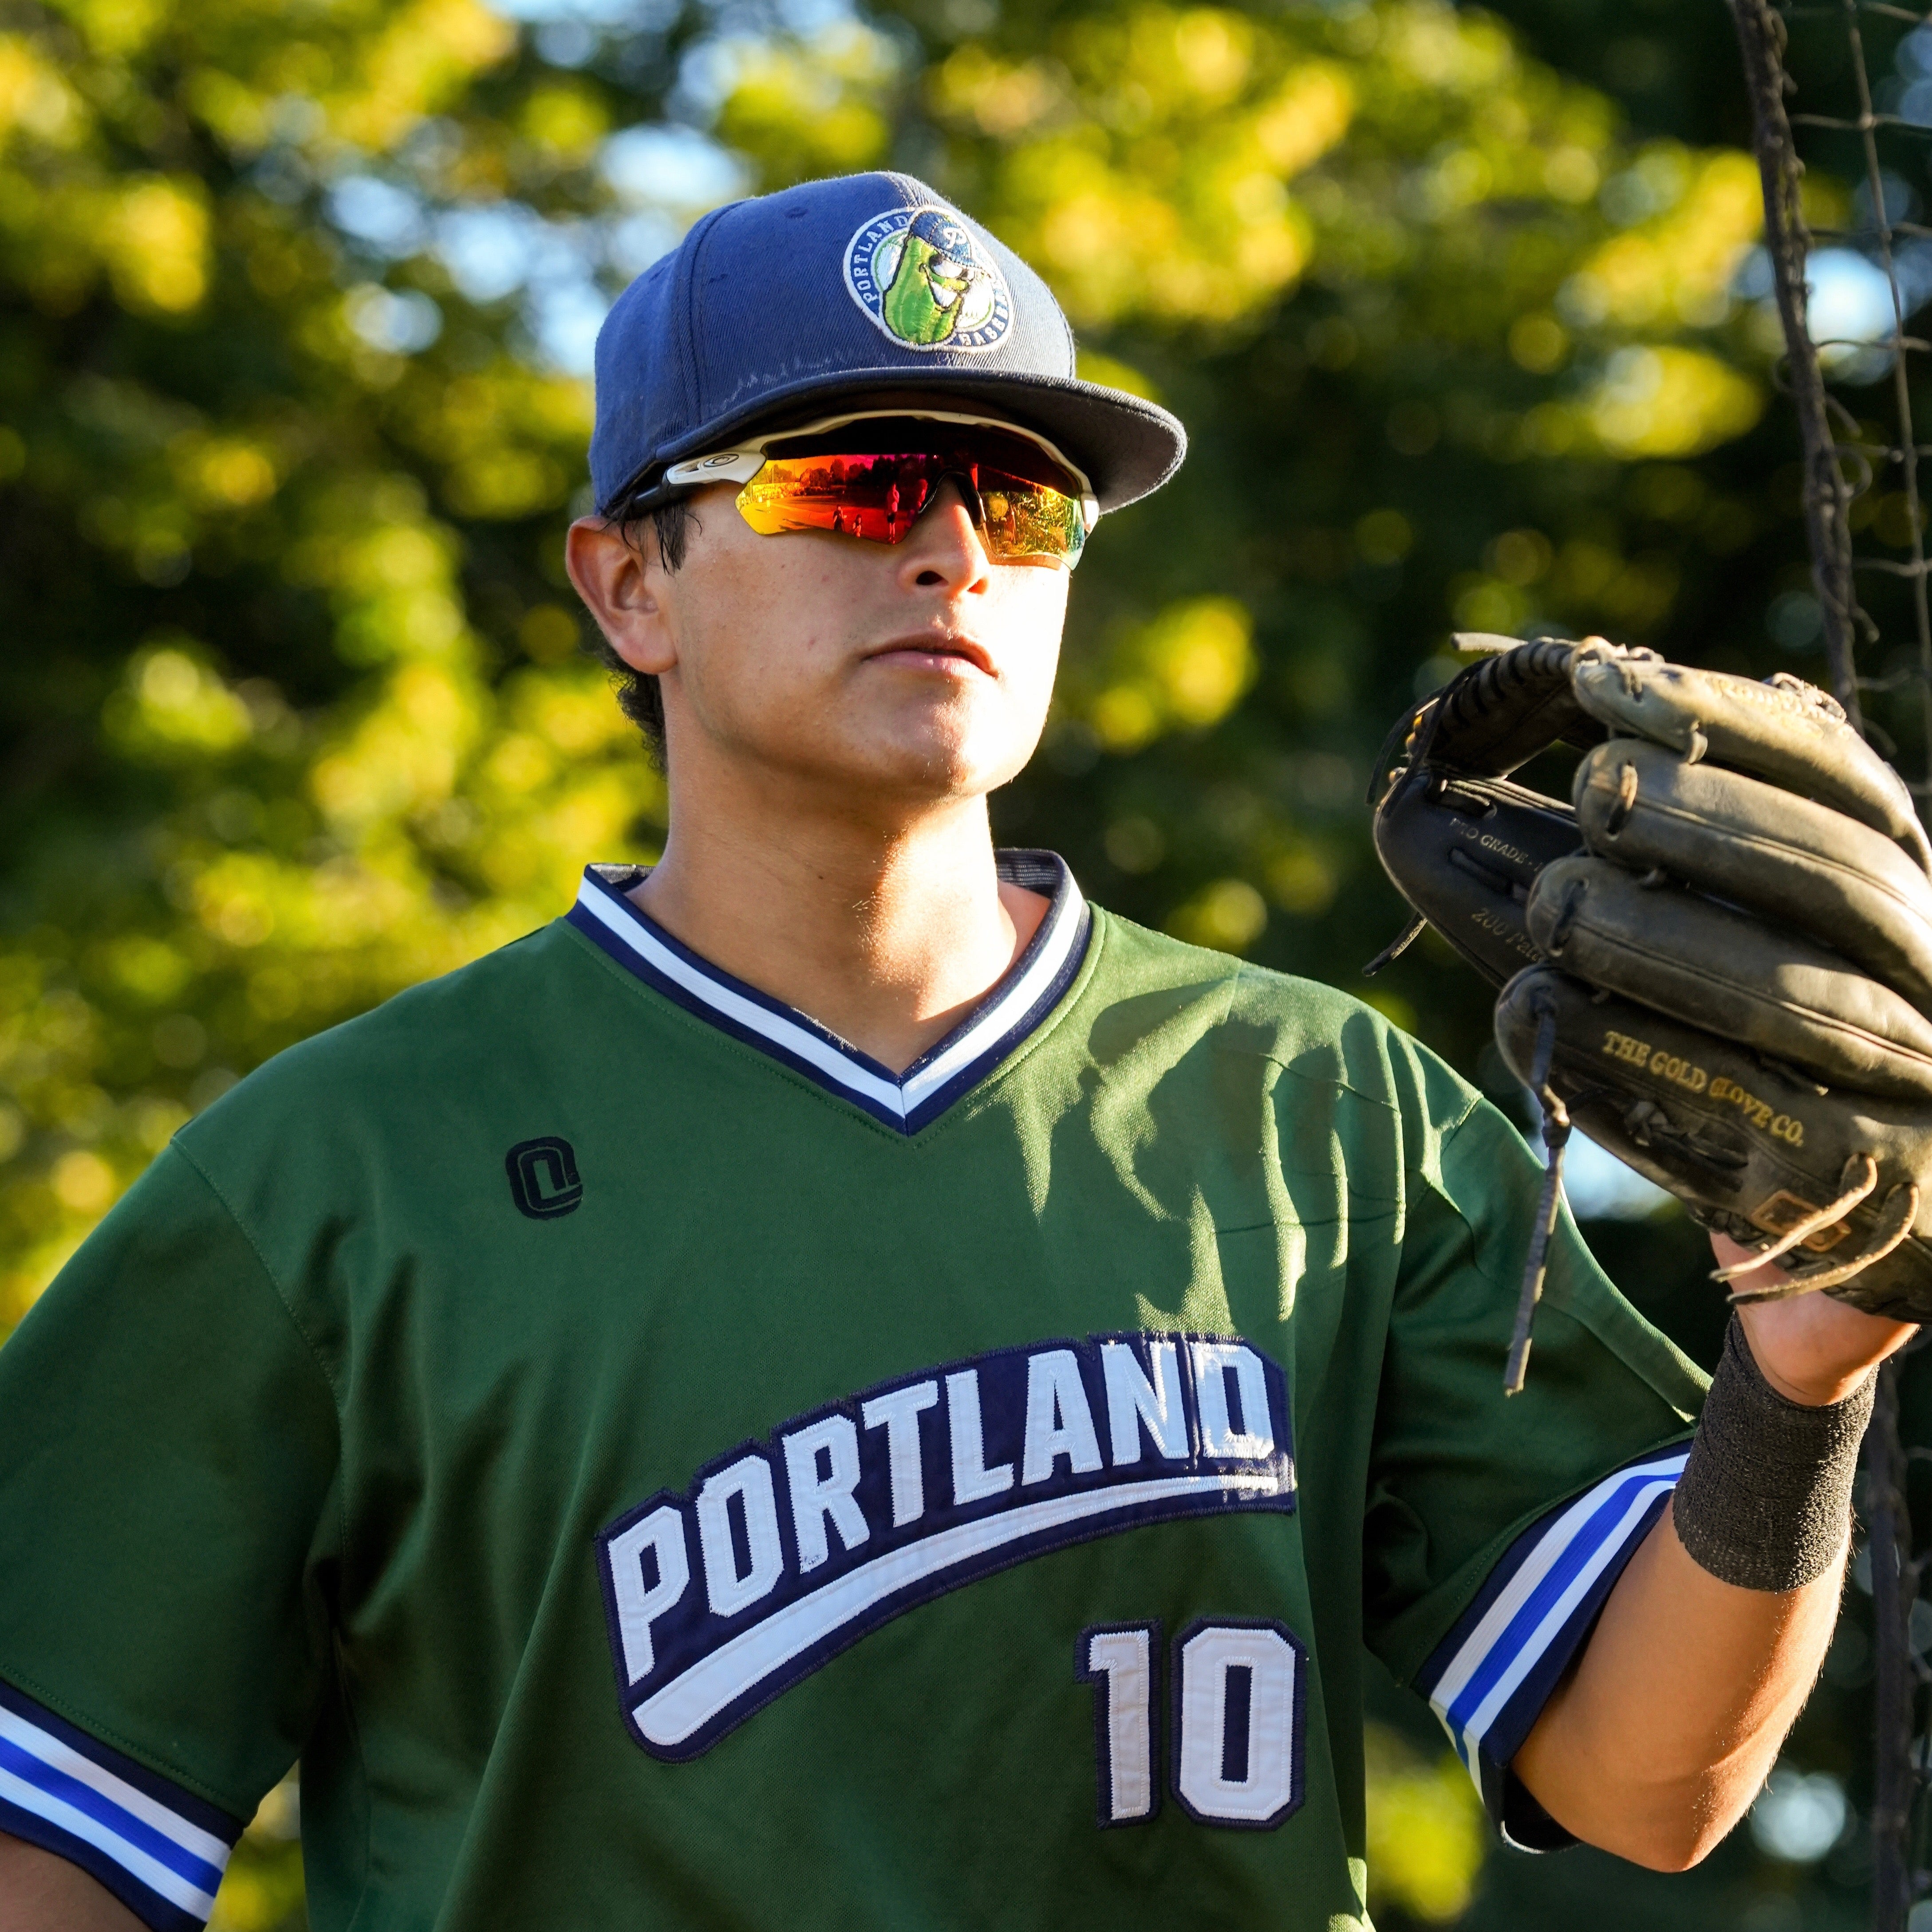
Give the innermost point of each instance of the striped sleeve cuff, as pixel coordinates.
(1490, 1677)
(160, 1849)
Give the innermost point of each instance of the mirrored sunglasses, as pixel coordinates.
(872, 476)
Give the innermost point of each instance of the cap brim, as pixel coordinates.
(1128, 447)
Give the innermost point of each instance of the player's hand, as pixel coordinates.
(1730, 986)
(1813, 1348)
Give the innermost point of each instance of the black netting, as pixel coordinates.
(1845, 88)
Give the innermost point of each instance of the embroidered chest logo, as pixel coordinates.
(783, 1553)
(927, 282)
(544, 1181)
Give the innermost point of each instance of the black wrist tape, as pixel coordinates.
(1766, 1499)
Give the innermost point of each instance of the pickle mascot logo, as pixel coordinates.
(927, 282)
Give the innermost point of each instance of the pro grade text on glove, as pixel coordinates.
(1726, 938)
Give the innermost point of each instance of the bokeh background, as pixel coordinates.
(1464, 310)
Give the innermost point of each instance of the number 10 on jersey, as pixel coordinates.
(1239, 1693)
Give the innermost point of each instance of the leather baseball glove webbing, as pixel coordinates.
(1716, 961)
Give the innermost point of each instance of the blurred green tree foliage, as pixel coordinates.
(293, 715)
(297, 715)
(294, 305)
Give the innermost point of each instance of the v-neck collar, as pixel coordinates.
(1030, 990)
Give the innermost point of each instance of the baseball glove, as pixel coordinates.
(1716, 961)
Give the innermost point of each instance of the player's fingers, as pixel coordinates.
(1761, 847)
(1773, 991)
(1832, 1344)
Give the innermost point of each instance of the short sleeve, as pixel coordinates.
(1497, 1526)
(168, 1444)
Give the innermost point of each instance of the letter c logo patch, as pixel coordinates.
(544, 1180)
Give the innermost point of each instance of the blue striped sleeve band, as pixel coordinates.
(1489, 1679)
(160, 1849)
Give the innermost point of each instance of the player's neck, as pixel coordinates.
(889, 937)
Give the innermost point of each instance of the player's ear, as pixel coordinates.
(623, 583)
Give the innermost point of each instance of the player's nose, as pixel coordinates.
(946, 546)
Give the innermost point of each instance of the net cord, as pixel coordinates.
(1841, 462)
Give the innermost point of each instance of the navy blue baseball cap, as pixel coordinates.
(842, 289)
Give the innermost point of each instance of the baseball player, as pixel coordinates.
(839, 1383)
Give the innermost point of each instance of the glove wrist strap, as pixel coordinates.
(1765, 1501)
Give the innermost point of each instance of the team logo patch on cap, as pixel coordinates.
(927, 282)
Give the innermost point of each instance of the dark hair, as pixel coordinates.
(638, 697)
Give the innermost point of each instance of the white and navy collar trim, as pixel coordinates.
(1033, 986)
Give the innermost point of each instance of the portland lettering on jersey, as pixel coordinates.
(783, 1553)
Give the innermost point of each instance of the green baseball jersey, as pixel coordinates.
(655, 1467)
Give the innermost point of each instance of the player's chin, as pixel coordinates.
(960, 748)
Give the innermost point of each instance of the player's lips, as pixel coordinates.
(954, 655)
